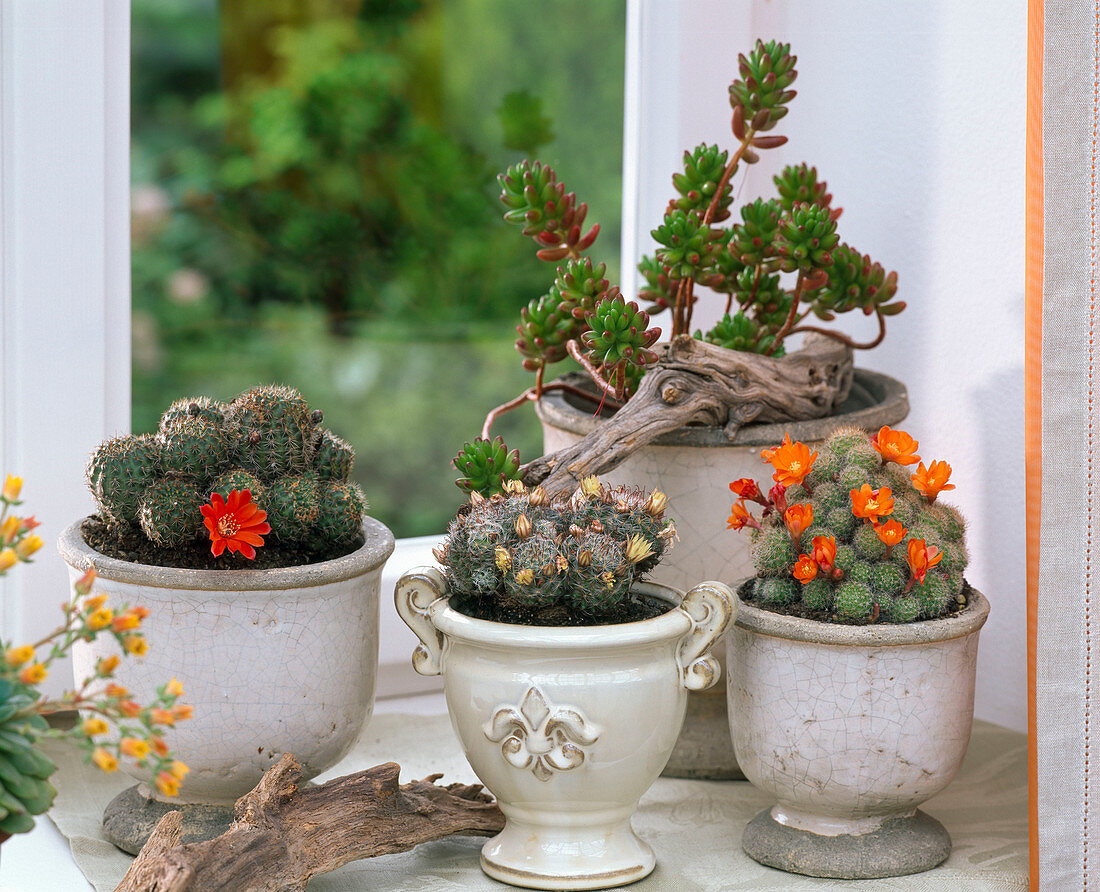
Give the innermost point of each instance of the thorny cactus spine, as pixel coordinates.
(266, 441)
(521, 550)
(854, 532)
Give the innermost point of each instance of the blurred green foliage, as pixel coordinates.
(330, 219)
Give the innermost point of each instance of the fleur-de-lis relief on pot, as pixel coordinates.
(541, 737)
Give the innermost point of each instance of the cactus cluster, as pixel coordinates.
(267, 441)
(24, 786)
(522, 551)
(853, 533)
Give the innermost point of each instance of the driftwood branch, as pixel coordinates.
(282, 836)
(698, 383)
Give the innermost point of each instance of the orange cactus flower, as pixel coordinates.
(236, 523)
(746, 488)
(805, 570)
(740, 518)
(872, 503)
(890, 533)
(798, 519)
(792, 462)
(895, 446)
(931, 481)
(824, 552)
(920, 557)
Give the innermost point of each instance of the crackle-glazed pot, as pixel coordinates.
(273, 661)
(851, 728)
(693, 466)
(567, 726)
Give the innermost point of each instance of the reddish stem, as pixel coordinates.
(586, 364)
(788, 323)
(843, 338)
(529, 395)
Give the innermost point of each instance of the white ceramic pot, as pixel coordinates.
(851, 728)
(567, 727)
(694, 467)
(273, 661)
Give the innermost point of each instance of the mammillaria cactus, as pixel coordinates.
(266, 442)
(521, 557)
(853, 533)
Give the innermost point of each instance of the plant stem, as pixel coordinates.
(843, 338)
(788, 324)
(529, 395)
(586, 364)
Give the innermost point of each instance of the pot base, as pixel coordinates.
(900, 846)
(542, 857)
(704, 749)
(129, 819)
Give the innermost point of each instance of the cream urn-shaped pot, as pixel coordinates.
(273, 661)
(567, 726)
(850, 729)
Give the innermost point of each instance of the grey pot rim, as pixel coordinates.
(378, 545)
(928, 631)
(889, 404)
(508, 636)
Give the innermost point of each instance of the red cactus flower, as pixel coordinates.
(920, 557)
(740, 517)
(931, 481)
(805, 570)
(872, 503)
(746, 488)
(895, 446)
(824, 552)
(236, 523)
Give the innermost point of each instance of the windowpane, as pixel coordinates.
(315, 203)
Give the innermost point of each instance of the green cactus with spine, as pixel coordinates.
(899, 553)
(519, 549)
(267, 441)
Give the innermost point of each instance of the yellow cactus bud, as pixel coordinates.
(514, 487)
(576, 532)
(591, 486)
(608, 579)
(595, 526)
(638, 548)
(29, 546)
(9, 529)
(12, 487)
(656, 503)
(562, 562)
(621, 506)
(525, 577)
(8, 559)
(585, 558)
(17, 656)
(523, 526)
(538, 497)
(503, 559)
(476, 499)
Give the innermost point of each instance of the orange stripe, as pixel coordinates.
(1033, 384)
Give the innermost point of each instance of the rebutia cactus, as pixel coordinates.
(267, 441)
(583, 552)
(853, 532)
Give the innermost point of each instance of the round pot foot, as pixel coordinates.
(704, 749)
(129, 819)
(900, 846)
(542, 857)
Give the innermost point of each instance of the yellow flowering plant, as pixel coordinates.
(114, 725)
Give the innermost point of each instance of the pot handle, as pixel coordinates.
(414, 594)
(710, 606)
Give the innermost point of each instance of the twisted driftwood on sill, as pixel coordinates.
(699, 383)
(283, 836)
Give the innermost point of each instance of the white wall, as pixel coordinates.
(914, 113)
(64, 272)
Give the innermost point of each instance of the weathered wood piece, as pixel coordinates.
(699, 383)
(282, 835)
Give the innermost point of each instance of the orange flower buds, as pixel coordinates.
(792, 462)
(174, 688)
(746, 488)
(35, 673)
(134, 748)
(8, 559)
(9, 529)
(872, 504)
(125, 622)
(105, 761)
(805, 570)
(183, 711)
(107, 665)
(895, 446)
(12, 487)
(921, 557)
(100, 618)
(931, 481)
(130, 709)
(135, 645)
(890, 533)
(17, 656)
(167, 783)
(824, 552)
(83, 586)
(798, 519)
(29, 546)
(116, 690)
(162, 717)
(94, 726)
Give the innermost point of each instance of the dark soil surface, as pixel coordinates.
(632, 611)
(799, 610)
(130, 544)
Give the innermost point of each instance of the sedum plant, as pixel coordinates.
(521, 555)
(854, 533)
(774, 262)
(261, 464)
(115, 727)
